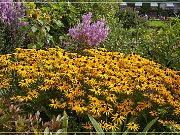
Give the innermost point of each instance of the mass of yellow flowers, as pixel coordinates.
(107, 85)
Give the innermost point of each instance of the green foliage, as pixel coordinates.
(48, 23)
(129, 18)
(162, 44)
(11, 37)
(99, 130)
(146, 129)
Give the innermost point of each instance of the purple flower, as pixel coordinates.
(11, 13)
(90, 33)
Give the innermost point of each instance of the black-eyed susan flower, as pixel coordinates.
(111, 97)
(153, 113)
(176, 111)
(133, 126)
(113, 127)
(27, 98)
(104, 125)
(117, 118)
(87, 126)
(33, 93)
(54, 103)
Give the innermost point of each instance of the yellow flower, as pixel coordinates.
(108, 110)
(32, 5)
(87, 125)
(177, 126)
(36, 15)
(168, 31)
(133, 126)
(148, 37)
(128, 102)
(27, 98)
(128, 91)
(33, 93)
(118, 118)
(153, 113)
(96, 110)
(111, 97)
(79, 108)
(55, 103)
(113, 127)
(24, 83)
(30, 15)
(166, 122)
(177, 111)
(104, 125)
(46, 16)
(43, 87)
(96, 91)
(158, 32)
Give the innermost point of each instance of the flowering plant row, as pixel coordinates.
(110, 86)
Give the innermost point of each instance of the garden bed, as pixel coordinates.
(94, 68)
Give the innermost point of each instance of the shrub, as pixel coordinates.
(129, 18)
(107, 85)
(162, 44)
(47, 28)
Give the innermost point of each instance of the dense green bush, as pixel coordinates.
(162, 44)
(130, 18)
(49, 23)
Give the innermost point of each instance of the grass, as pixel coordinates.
(156, 23)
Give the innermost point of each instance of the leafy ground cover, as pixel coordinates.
(110, 86)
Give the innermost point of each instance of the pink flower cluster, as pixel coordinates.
(90, 33)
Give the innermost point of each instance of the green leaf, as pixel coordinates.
(146, 129)
(65, 122)
(21, 123)
(48, 28)
(60, 132)
(126, 132)
(55, 7)
(96, 125)
(46, 112)
(46, 131)
(34, 29)
(58, 23)
(51, 38)
(40, 44)
(35, 131)
(31, 46)
(145, 117)
(41, 22)
(4, 119)
(46, 9)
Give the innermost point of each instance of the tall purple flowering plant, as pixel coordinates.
(11, 22)
(89, 33)
(11, 13)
